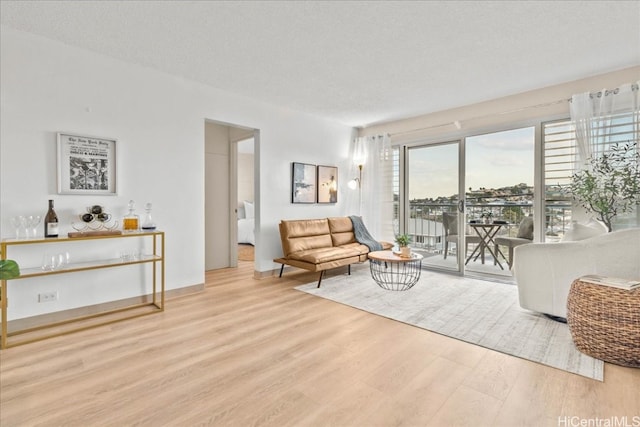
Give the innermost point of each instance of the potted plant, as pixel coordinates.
(486, 216)
(610, 184)
(403, 241)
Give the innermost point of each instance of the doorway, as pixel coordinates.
(230, 191)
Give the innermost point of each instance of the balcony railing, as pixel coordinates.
(427, 232)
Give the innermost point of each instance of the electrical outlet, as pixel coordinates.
(48, 296)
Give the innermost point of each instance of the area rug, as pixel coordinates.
(476, 311)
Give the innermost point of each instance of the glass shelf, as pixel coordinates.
(87, 265)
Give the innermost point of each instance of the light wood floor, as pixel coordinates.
(249, 352)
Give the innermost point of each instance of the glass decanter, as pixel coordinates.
(131, 222)
(147, 223)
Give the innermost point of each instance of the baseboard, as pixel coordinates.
(63, 315)
(264, 274)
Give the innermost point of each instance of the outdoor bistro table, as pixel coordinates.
(487, 232)
(393, 272)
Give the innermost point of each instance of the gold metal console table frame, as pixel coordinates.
(156, 304)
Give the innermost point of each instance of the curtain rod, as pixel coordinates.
(615, 91)
(456, 123)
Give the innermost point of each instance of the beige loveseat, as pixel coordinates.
(321, 244)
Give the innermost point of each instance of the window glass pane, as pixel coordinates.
(559, 149)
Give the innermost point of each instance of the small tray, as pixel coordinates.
(73, 234)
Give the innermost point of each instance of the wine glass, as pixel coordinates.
(18, 223)
(32, 222)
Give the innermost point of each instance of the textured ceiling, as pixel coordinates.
(357, 62)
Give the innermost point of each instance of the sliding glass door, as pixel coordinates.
(433, 185)
(499, 177)
(495, 175)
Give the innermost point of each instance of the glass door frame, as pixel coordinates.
(538, 180)
(459, 209)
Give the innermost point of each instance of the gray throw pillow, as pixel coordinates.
(525, 231)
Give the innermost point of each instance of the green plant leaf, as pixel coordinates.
(9, 269)
(610, 183)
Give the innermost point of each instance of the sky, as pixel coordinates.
(493, 160)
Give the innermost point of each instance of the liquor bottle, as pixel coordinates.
(131, 222)
(51, 222)
(147, 223)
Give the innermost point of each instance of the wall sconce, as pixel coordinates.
(359, 158)
(356, 182)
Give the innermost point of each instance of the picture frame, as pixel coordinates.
(303, 183)
(327, 184)
(86, 165)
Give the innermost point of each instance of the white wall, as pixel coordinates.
(158, 121)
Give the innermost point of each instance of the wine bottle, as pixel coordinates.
(51, 222)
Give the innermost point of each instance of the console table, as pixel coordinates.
(155, 305)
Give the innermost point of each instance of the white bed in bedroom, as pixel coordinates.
(246, 223)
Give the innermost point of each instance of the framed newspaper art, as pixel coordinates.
(86, 165)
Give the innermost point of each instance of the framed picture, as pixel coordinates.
(327, 184)
(303, 183)
(86, 165)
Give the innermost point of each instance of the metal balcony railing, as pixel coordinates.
(425, 219)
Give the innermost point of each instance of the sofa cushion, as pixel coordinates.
(321, 255)
(341, 231)
(301, 235)
(511, 242)
(355, 246)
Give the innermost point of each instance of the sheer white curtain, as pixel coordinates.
(374, 199)
(592, 115)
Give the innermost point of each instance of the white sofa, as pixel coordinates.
(544, 271)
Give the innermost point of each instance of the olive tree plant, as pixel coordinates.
(610, 184)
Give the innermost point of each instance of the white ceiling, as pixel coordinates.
(357, 62)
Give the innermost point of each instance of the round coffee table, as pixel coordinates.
(393, 272)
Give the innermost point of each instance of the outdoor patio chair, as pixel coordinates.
(450, 225)
(524, 236)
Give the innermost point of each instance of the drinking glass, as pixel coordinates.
(50, 262)
(63, 259)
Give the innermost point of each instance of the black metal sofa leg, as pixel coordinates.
(281, 269)
(320, 278)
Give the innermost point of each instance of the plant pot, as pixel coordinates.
(405, 252)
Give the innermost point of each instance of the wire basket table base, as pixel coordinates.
(393, 272)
